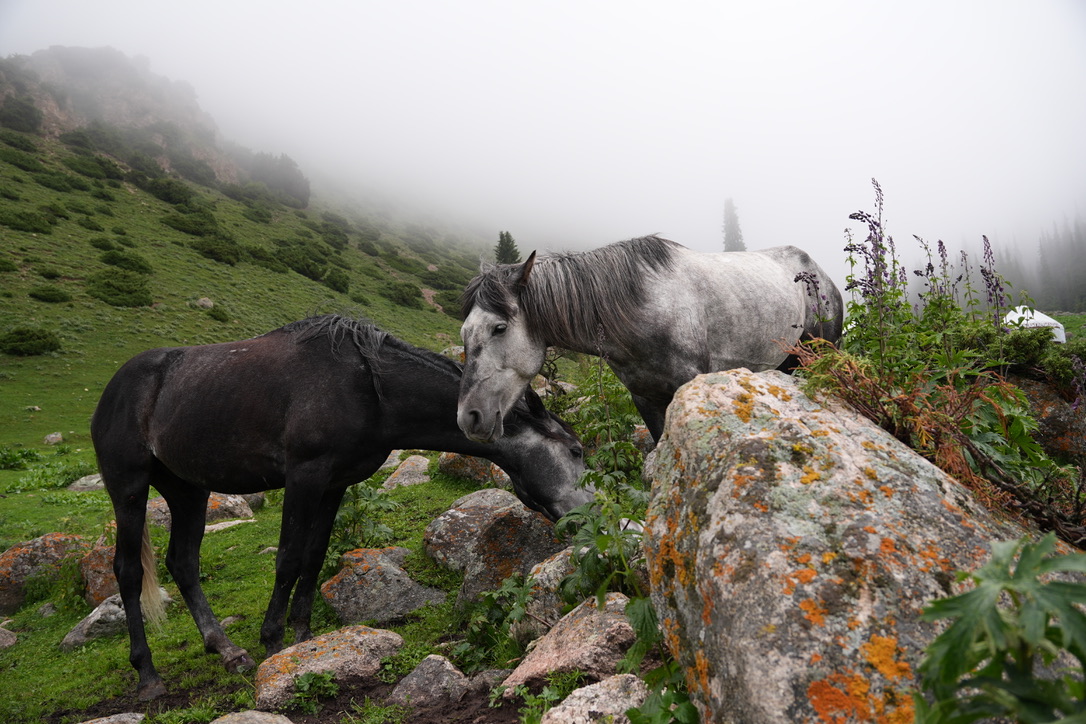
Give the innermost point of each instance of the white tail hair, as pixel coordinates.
(154, 610)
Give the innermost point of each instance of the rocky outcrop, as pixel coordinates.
(604, 702)
(37, 557)
(791, 547)
(478, 470)
(489, 535)
(348, 652)
(371, 586)
(412, 471)
(588, 639)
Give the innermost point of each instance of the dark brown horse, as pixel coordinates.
(313, 407)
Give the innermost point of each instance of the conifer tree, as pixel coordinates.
(733, 235)
(506, 251)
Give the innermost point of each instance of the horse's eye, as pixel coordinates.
(576, 452)
(499, 329)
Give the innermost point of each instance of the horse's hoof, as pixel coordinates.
(151, 690)
(240, 663)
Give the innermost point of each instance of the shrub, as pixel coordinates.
(20, 160)
(59, 181)
(262, 257)
(7, 265)
(50, 294)
(126, 260)
(90, 224)
(337, 280)
(170, 190)
(404, 294)
(120, 288)
(17, 141)
(220, 248)
(20, 114)
(9, 194)
(29, 342)
(102, 242)
(219, 313)
(197, 223)
(47, 272)
(94, 167)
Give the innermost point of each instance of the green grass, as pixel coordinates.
(1074, 325)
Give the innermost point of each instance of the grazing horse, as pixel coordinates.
(659, 313)
(313, 407)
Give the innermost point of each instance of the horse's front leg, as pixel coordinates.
(301, 506)
(188, 513)
(316, 546)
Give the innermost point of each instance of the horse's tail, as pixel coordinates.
(154, 610)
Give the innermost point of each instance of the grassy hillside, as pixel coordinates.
(59, 247)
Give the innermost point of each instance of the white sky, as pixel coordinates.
(574, 123)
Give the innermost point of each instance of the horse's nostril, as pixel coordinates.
(474, 417)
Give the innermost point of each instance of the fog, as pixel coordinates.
(574, 124)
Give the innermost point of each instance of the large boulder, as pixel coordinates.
(355, 651)
(38, 557)
(371, 586)
(489, 535)
(605, 702)
(587, 639)
(791, 547)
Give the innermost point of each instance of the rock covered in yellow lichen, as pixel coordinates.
(791, 547)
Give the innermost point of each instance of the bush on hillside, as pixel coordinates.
(20, 114)
(120, 288)
(129, 260)
(218, 247)
(50, 293)
(29, 221)
(94, 167)
(262, 257)
(170, 190)
(89, 224)
(7, 265)
(337, 280)
(29, 342)
(102, 242)
(18, 141)
(404, 294)
(197, 223)
(20, 160)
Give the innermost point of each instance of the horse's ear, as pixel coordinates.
(525, 270)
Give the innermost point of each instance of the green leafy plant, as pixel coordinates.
(357, 523)
(986, 663)
(120, 288)
(310, 688)
(15, 458)
(29, 342)
(50, 294)
(490, 639)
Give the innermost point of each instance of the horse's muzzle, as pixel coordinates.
(478, 427)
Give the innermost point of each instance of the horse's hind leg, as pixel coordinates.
(130, 507)
(188, 512)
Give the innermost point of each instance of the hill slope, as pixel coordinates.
(108, 246)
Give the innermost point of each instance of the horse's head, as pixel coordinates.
(501, 355)
(544, 459)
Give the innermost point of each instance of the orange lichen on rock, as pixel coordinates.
(882, 652)
(813, 611)
(840, 698)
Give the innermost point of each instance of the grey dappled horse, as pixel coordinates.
(313, 407)
(659, 313)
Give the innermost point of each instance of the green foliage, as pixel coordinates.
(29, 221)
(195, 223)
(50, 293)
(94, 167)
(20, 114)
(490, 641)
(29, 342)
(21, 160)
(559, 685)
(120, 288)
(310, 688)
(985, 664)
(17, 141)
(52, 474)
(7, 265)
(358, 523)
(16, 458)
(219, 313)
(220, 248)
(405, 294)
(506, 251)
(929, 374)
(170, 190)
(337, 280)
(129, 260)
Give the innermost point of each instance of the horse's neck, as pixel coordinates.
(418, 410)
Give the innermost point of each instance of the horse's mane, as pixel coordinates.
(574, 297)
(370, 341)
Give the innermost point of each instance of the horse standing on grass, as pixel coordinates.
(659, 313)
(313, 407)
